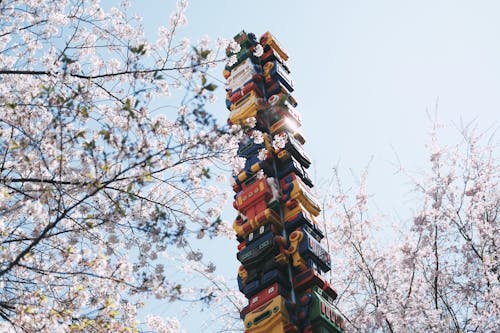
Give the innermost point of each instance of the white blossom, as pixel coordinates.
(259, 50)
(232, 60)
(183, 111)
(234, 46)
(262, 154)
(279, 141)
(100, 173)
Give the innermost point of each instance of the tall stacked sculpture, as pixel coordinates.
(282, 259)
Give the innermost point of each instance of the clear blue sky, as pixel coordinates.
(365, 73)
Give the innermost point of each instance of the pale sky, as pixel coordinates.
(365, 73)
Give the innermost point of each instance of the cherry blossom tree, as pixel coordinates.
(107, 155)
(438, 273)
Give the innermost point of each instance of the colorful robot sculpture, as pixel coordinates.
(280, 249)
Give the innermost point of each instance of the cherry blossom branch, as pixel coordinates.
(109, 75)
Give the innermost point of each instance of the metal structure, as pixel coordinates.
(282, 259)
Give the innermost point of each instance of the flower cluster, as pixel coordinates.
(97, 181)
(438, 273)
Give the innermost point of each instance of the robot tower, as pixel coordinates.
(282, 259)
